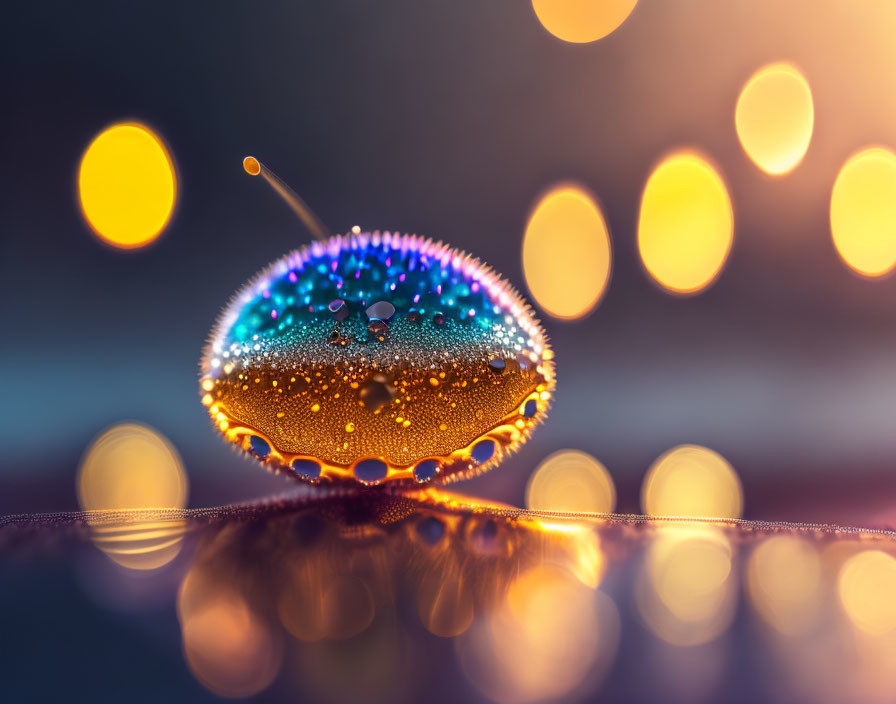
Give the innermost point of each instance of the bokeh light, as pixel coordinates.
(228, 647)
(784, 583)
(571, 481)
(863, 211)
(580, 21)
(139, 544)
(691, 480)
(131, 466)
(445, 601)
(686, 593)
(549, 635)
(686, 224)
(566, 253)
(866, 585)
(127, 185)
(774, 118)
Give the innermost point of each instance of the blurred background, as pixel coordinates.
(743, 327)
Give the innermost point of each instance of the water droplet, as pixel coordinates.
(426, 470)
(497, 366)
(378, 328)
(259, 446)
(414, 316)
(371, 470)
(339, 309)
(349, 427)
(309, 469)
(483, 451)
(443, 426)
(376, 393)
(381, 310)
(479, 414)
(530, 409)
(438, 319)
(298, 386)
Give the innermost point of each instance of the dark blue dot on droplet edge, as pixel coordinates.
(426, 470)
(530, 409)
(259, 446)
(483, 451)
(371, 470)
(306, 468)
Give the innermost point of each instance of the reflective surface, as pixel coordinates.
(431, 596)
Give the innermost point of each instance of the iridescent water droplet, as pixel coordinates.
(381, 310)
(438, 319)
(309, 469)
(426, 470)
(371, 470)
(414, 317)
(259, 446)
(497, 365)
(376, 393)
(379, 329)
(483, 451)
(339, 309)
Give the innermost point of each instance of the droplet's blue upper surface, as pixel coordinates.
(415, 276)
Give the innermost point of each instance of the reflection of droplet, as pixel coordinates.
(139, 544)
(552, 638)
(863, 212)
(774, 118)
(376, 393)
(784, 582)
(686, 592)
(381, 310)
(566, 253)
(127, 185)
(571, 481)
(445, 602)
(228, 647)
(866, 585)
(580, 21)
(686, 224)
(371, 470)
(431, 529)
(690, 480)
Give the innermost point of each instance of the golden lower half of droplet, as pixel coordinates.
(419, 424)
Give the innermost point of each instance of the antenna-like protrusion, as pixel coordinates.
(254, 167)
